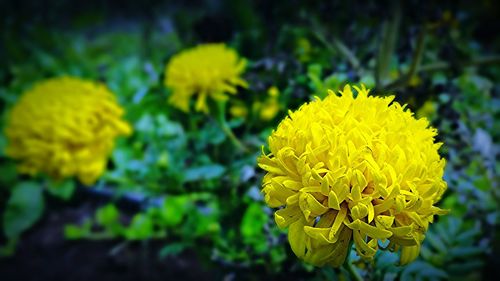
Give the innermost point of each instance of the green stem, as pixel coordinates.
(346, 52)
(438, 66)
(220, 116)
(340, 47)
(414, 66)
(388, 45)
(352, 271)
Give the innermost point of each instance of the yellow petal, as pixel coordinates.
(320, 234)
(339, 220)
(384, 221)
(402, 231)
(297, 237)
(369, 230)
(310, 206)
(409, 254)
(287, 216)
(333, 201)
(293, 185)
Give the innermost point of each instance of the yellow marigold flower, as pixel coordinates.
(361, 169)
(208, 70)
(65, 127)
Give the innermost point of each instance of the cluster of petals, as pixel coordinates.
(207, 71)
(65, 127)
(353, 169)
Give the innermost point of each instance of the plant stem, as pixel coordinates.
(387, 46)
(437, 66)
(339, 46)
(220, 116)
(229, 133)
(414, 66)
(346, 52)
(353, 272)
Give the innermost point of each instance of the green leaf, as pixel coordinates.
(436, 242)
(121, 157)
(419, 270)
(107, 215)
(464, 252)
(171, 250)
(62, 189)
(206, 172)
(252, 227)
(24, 208)
(204, 221)
(73, 232)
(253, 222)
(3, 144)
(278, 255)
(173, 210)
(145, 125)
(141, 227)
(468, 235)
(466, 268)
(8, 176)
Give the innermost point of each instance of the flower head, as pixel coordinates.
(65, 127)
(359, 169)
(208, 70)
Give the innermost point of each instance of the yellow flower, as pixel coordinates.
(361, 169)
(268, 109)
(238, 110)
(208, 70)
(65, 127)
(427, 110)
(273, 92)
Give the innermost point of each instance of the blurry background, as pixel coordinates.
(177, 200)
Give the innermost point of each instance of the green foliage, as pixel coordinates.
(171, 250)
(423, 271)
(321, 86)
(252, 227)
(62, 189)
(452, 246)
(205, 172)
(24, 208)
(189, 217)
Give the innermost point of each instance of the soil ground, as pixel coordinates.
(44, 254)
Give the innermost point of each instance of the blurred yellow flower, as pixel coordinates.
(238, 110)
(271, 106)
(208, 70)
(269, 109)
(427, 110)
(361, 169)
(273, 91)
(65, 127)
